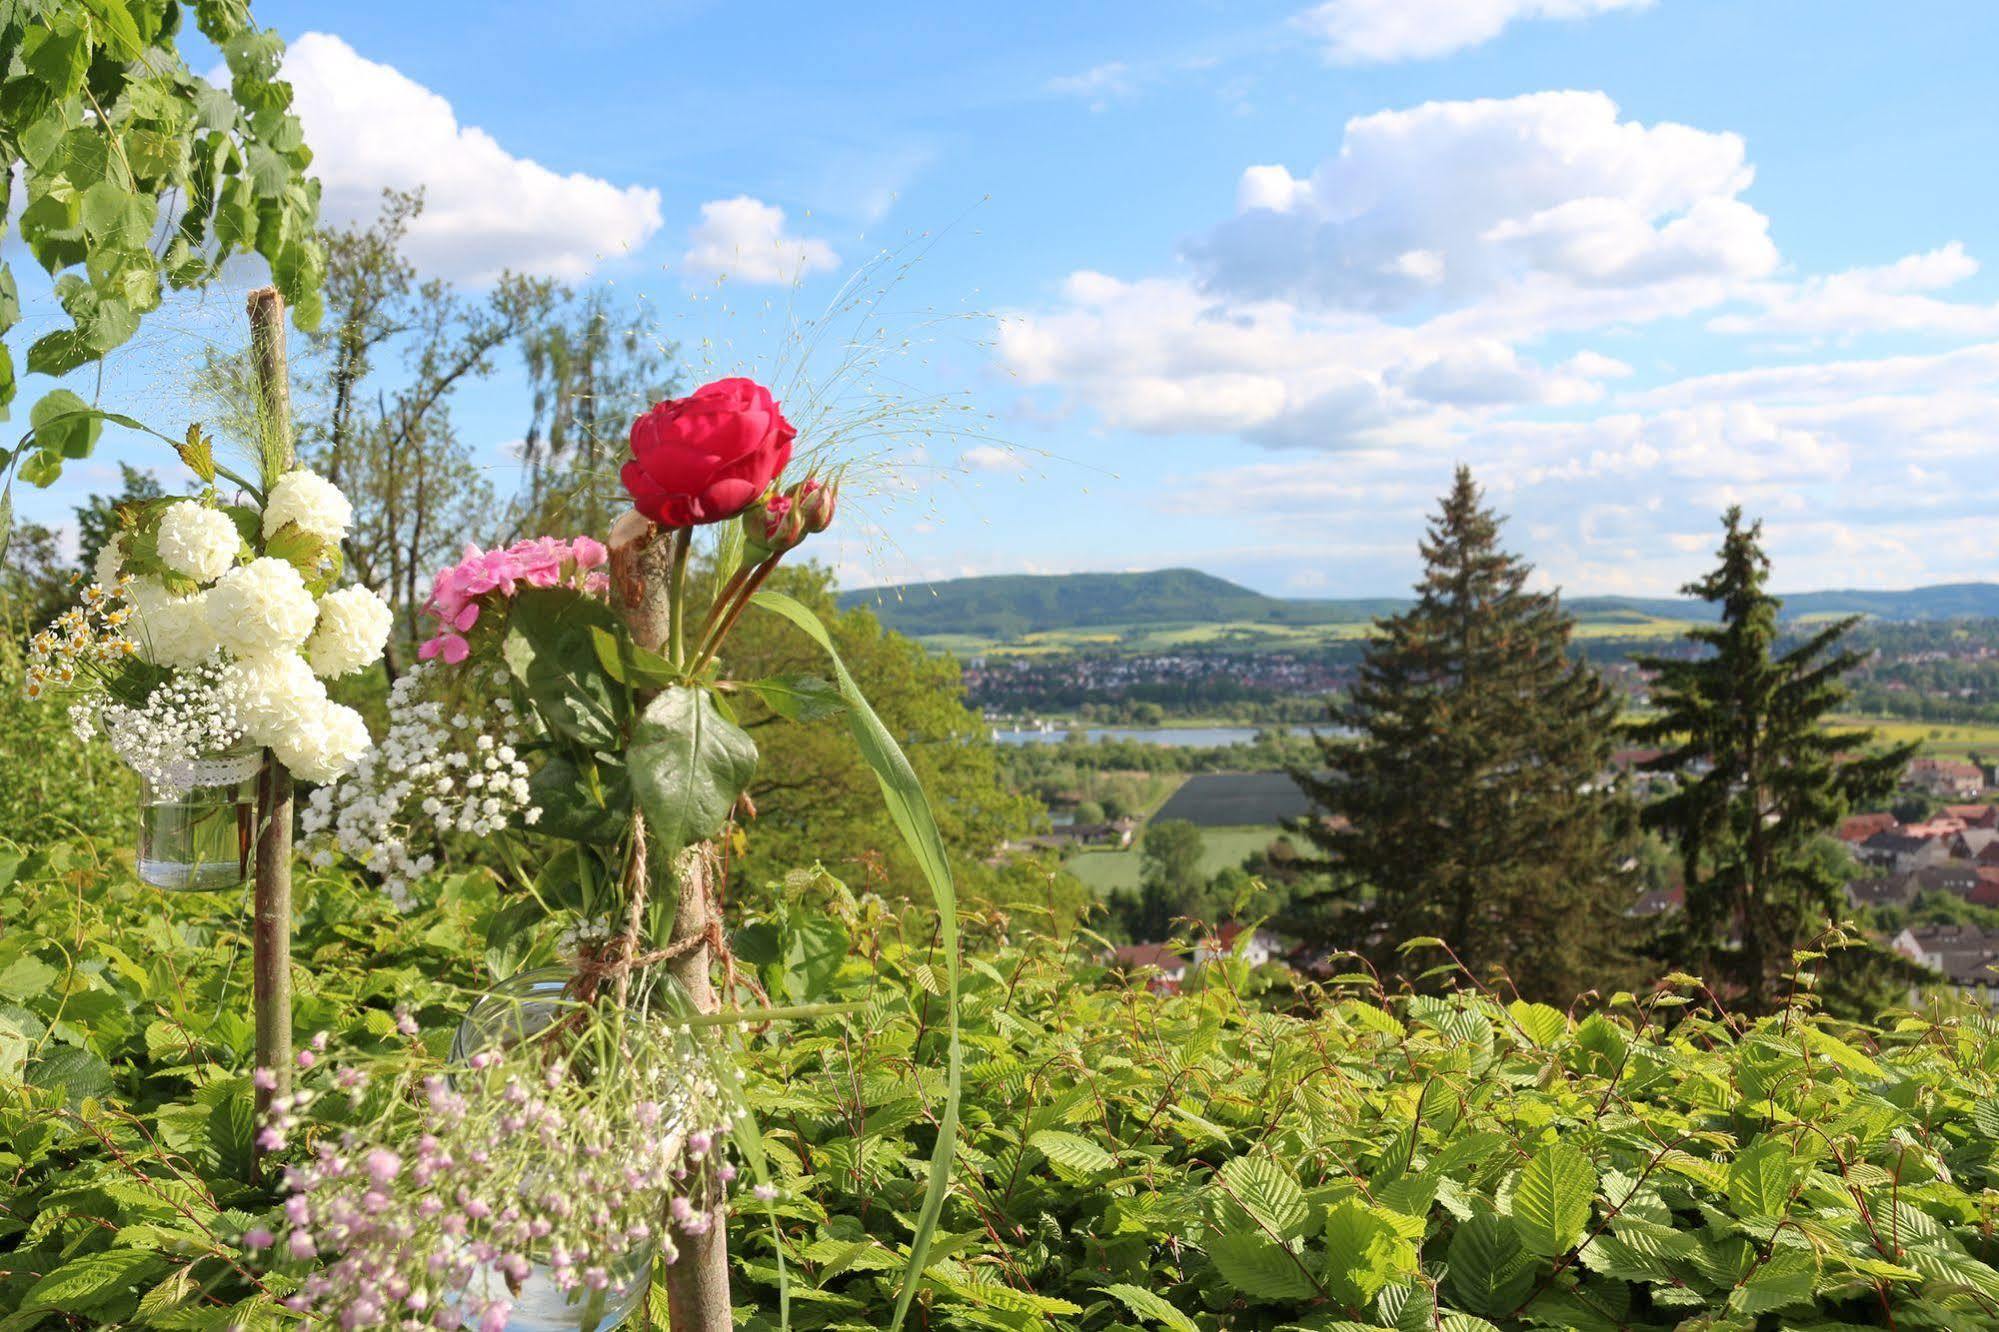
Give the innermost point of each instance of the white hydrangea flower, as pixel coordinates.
(198, 541)
(326, 744)
(109, 561)
(146, 594)
(274, 694)
(261, 607)
(311, 501)
(173, 631)
(353, 629)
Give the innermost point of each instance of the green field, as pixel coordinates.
(1949, 739)
(1108, 870)
(1247, 636)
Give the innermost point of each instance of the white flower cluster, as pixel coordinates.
(284, 705)
(431, 775)
(262, 607)
(278, 640)
(197, 541)
(176, 734)
(313, 502)
(353, 629)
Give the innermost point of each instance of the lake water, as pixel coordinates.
(1180, 737)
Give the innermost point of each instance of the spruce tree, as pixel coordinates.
(1468, 802)
(1761, 777)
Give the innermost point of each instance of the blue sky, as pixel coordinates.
(1260, 274)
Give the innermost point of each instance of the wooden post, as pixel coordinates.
(271, 931)
(697, 1283)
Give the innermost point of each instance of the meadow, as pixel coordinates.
(1108, 871)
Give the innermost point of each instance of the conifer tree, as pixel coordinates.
(1761, 777)
(1468, 803)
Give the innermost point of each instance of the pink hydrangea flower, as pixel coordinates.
(458, 593)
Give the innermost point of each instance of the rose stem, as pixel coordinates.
(676, 651)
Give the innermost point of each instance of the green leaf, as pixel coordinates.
(95, 1278)
(1259, 1267)
(1785, 1278)
(909, 809)
(1544, 1025)
(799, 698)
(628, 663)
(1146, 1304)
(1265, 1190)
(1364, 1253)
(1551, 1202)
(1072, 1152)
(199, 454)
(64, 424)
(581, 804)
(688, 767)
(303, 550)
(75, 1072)
(1491, 1272)
(1760, 1180)
(549, 649)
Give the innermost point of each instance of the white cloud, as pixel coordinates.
(1099, 86)
(1517, 200)
(991, 458)
(746, 239)
(1492, 223)
(1892, 298)
(1360, 32)
(485, 209)
(1449, 286)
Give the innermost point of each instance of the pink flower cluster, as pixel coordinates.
(461, 591)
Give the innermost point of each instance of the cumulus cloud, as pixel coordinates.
(1363, 32)
(1393, 294)
(485, 209)
(1449, 284)
(746, 239)
(1893, 298)
(1525, 197)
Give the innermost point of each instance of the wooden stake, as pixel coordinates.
(697, 1284)
(271, 931)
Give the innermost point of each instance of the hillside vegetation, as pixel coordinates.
(1169, 608)
(1240, 1157)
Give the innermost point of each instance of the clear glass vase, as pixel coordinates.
(523, 1005)
(201, 835)
(539, 1305)
(519, 1007)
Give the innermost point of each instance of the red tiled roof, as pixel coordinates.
(1860, 827)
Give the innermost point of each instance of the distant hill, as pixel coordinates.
(1005, 607)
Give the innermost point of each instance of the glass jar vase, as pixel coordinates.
(516, 1009)
(201, 834)
(523, 1005)
(539, 1305)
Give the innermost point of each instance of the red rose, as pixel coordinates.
(708, 456)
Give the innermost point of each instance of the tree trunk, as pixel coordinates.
(271, 930)
(697, 1283)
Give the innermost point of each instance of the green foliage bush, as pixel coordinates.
(1225, 1158)
(50, 785)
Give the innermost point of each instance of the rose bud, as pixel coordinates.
(816, 500)
(772, 526)
(707, 457)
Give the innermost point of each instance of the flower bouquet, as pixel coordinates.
(205, 639)
(574, 711)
